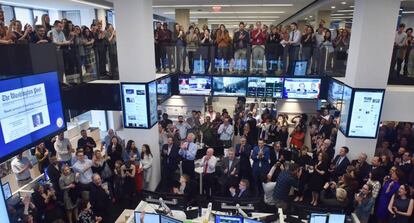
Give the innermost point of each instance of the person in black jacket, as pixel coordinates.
(362, 168)
(87, 144)
(242, 192)
(53, 171)
(277, 154)
(272, 50)
(114, 151)
(101, 199)
(243, 151)
(169, 163)
(340, 163)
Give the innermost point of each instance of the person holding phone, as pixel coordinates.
(364, 202)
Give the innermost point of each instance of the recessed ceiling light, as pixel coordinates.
(408, 12)
(346, 10)
(230, 5)
(310, 16)
(337, 14)
(351, 6)
(235, 17)
(343, 3)
(221, 12)
(92, 4)
(332, 7)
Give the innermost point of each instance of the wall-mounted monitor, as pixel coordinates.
(300, 68)
(301, 88)
(345, 109)
(194, 85)
(229, 86)
(164, 90)
(30, 110)
(270, 87)
(139, 104)
(335, 93)
(366, 113)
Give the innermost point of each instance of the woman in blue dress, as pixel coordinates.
(390, 186)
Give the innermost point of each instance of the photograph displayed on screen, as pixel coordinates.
(302, 88)
(335, 93)
(153, 106)
(228, 219)
(365, 115)
(164, 86)
(345, 109)
(274, 87)
(30, 109)
(166, 219)
(230, 86)
(256, 86)
(135, 105)
(146, 217)
(300, 68)
(194, 85)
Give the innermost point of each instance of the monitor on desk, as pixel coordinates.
(318, 218)
(246, 220)
(7, 191)
(166, 219)
(147, 218)
(228, 219)
(336, 218)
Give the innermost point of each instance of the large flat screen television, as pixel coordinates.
(335, 93)
(366, 113)
(274, 87)
(30, 110)
(194, 85)
(3, 208)
(345, 109)
(135, 105)
(229, 86)
(269, 87)
(153, 106)
(164, 90)
(302, 88)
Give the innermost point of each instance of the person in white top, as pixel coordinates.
(399, 48)
(294, 43)
(226, 133)
(146, 160)
(208, 162)
(182, 127)
(21, 168)
(63, 149)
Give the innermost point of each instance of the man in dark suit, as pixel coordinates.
(377, 168)
(101, 199)
(243, 151)
(340, 163)
(277, 154)
(406, 166)
(169, 163)
(273, 132)
(242, 192)
(87, 144)
(362, 167)
(261, 166)
(230, 166)
(54, 173)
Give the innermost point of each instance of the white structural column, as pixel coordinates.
(136, 61)
(369, 57)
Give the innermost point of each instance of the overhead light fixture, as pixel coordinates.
(351, 6)
(236, 17)
(332, 7)
(343, 3)
(231, 5)
(27, 5)
(233, 20)
(238, 12)
(346, 10)
(342, 17)
(408, 12)
(92, 4)
(310, 16)
(338, 14)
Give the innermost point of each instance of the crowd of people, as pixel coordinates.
(273, 47)
(85, 50)
(403, 45)
(86, 182)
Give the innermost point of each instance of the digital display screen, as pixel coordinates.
(134, 101)
(301, 67)
(199, 67)
(194, 85)
(336, 218)
(165, 219)
(3, 208)
(30, 109)
(221, 64)
(346, 104)
(164, 86)
(7, 191)
(318, 218)
(335, 93)
(147, 218)
(246, 220)
(153, 107)
(302, 88)
(228, 219)
(230, 86)
(366, 110)
(240, 65)
(271, 87)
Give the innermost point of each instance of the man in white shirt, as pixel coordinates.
(63, 149)
(188, 151)
(294, 44)
(319, 37)
(82, 168)
(182, 127)
(226, 133)
(208, 162)
(399, 45)
(21, 168)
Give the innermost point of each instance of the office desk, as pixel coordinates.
(123, 217)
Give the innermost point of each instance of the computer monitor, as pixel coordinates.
(318, 218)
(166, 219)
(336, 218)
(228, 219)
(246, 220)
(7, 191)
(147, 218)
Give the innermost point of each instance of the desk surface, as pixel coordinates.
(126, 213)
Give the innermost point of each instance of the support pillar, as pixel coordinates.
(182, 17)
(101, 15)
(136, 64)
(365, 70)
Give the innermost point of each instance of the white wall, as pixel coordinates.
(293, 106)
(182, 105)
(408, 20)
(398, 104)
(54, 15)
